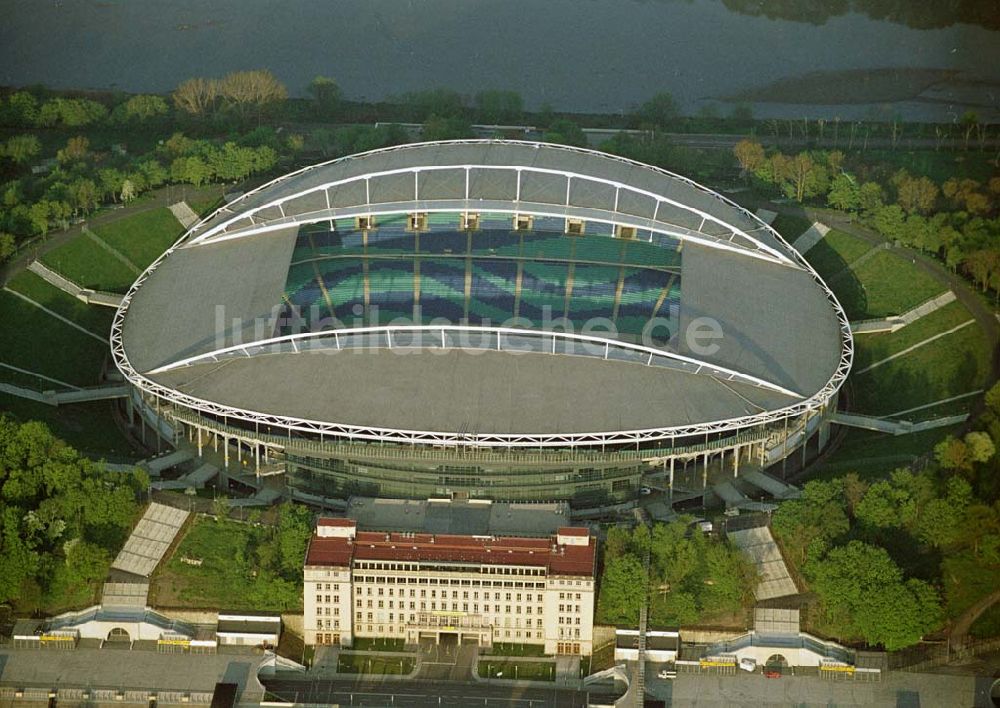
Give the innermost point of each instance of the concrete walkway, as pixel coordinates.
(894, 427)
(91, 297)
(767, 216)
(184, 214)
(897, 322)
(810, 237)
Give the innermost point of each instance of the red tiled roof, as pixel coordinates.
(342, 523)
(572, 531)
(539, 552)
(329, 551)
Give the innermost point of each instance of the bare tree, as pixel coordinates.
(196, 96)
(246, 90)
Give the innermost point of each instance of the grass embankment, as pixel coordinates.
(835, 252)
(143, 237)
(93, 318)
(88, 265)
(518, 670)
(364, 664)
(225, 578)
(890, 285)
(40, 343)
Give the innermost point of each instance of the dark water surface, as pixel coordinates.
(581, 55)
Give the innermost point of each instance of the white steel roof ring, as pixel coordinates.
(712, 369)
(365, 210)
(248, 215)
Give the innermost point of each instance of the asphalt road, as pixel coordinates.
(420, 694)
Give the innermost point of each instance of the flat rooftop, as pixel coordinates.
(458, 517)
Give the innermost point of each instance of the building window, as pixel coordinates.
(574, 227)
(522, 222)
(366, 223)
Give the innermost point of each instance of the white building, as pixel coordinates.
(442, 587)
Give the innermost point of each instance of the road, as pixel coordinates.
(420, 694)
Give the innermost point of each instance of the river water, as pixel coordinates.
(577, 55)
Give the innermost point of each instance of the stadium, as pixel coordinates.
(485, 319)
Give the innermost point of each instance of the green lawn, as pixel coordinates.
(518, 670)
(90, 266)
(365, 664)
(41, 343)
(509, 649)
(88, 427)
(869, 348)
(884, 285)
(143, 237)
(378, 644)
(225, 578)
(91, 317)
(952, 365)
(834, 252)
(790, 227)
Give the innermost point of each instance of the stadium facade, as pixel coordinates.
(495, 319)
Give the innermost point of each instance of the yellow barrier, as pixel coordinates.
(715, 662)
(175, 642)
(839, 669)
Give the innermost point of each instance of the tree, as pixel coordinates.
(953, 454)
(623, 589)
(7, 247)
(844, 193)
(251, 90)
(128, 192)
(992, 399)
(70, 112)
(326, 94)
(750, 154)
(890, 221)
(85, 194)
(980, 446)
(917, 194)
(565, 132)
(981, 264)
(196, 97)
(658, 111)
(818, 515)
(193, 170)
(22, 148)
(421, 105)
(503, 107)
(21, 109)
(741, 113)
(439, 128)
(144, 108)
(221, 508)
(870, 198)
(76, 149)
(863, 593)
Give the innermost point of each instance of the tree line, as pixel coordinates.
(63, 518)
(957, 220)
(891, 560)
(692, 577)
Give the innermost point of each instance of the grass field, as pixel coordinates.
(884, 285)
(834, 252)
(203, 207)
(143, 237)
(517, 670)
(225, 578)
(90, 266)
(952, 365)
(509, 649)
(362, 664)
(91, 317)
(40, 343)
(869, 348)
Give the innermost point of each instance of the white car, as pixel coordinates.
(748, 664)
(645, 490)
